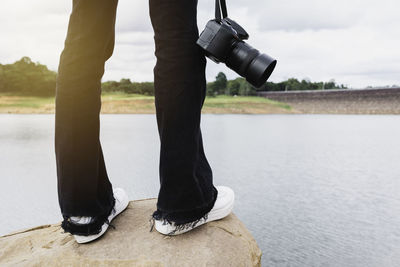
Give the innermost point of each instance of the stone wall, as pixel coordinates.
(348, 101)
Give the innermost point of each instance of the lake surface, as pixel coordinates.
(315, 190)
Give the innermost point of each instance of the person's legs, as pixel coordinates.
(83, 185)
(186, 192)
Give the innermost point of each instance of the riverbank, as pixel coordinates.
(365, 101)
(122, 103)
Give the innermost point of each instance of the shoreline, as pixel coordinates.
(349, 101)
(121, 103)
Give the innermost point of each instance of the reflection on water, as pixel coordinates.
(315, 190)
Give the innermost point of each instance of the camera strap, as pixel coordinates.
(220, 5)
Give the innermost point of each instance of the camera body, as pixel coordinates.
(219, 38)
(222, 41)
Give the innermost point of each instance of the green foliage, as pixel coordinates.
(126, 86)
(240, 86)
(219, 86)
(222, 86)
(25, 77)
(220, 83)
(234, 86)
(293, 84)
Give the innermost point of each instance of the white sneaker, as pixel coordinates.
(222, 207)
(121, 202)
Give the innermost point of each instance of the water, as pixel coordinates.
(315, 190)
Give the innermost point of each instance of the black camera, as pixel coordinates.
(222, 40)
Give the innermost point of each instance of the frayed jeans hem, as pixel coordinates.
(92, 228)
(183, 217)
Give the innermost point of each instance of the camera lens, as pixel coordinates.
(249, 63)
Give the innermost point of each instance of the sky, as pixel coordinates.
(355, 42)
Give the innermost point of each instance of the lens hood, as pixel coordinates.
(260, 69)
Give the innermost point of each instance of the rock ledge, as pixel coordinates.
(225, 242)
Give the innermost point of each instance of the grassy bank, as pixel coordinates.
(132, 103)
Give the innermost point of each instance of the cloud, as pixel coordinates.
(355, 42)
(133, 16)
(308, 15)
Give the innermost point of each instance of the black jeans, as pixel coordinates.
(186, 188)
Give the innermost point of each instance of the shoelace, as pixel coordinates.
(179, 227)
(152, 222)
(107, 222)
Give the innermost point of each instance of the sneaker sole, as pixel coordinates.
(213, 215)
(85, 239)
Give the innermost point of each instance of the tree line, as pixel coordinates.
(239, 86)
(28, 78)
(25, 77)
